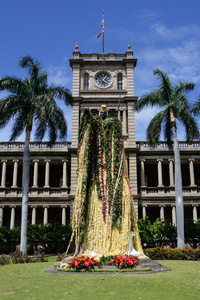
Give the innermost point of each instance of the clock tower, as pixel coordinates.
(105, 79)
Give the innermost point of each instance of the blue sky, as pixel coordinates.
(163, 34)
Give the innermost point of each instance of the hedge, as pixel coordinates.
(173, 254)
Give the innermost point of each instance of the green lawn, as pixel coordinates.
(28, 281)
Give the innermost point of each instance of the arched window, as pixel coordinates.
(86, 82)
(120, 82)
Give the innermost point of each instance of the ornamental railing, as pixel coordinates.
(107, 56)
(35, 146)
(168, 191)
(36, 191)
(162, 146)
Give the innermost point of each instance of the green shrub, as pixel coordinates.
(17, 258)
(173, 254)
(4, 260)
(160, 233)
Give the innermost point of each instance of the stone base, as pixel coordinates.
(146, 263)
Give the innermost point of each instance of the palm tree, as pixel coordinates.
(30, 101)
(175, 106)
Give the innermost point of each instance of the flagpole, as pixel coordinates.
(103, 35)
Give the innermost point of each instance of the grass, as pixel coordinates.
(28, 281)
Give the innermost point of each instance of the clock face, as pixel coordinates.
(103, 79)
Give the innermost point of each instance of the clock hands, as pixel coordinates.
(103, 80)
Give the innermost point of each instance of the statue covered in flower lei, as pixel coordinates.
(103, 213)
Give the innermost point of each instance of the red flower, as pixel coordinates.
(86, 263)
(121, 263)
(77, 263)
(129, 261)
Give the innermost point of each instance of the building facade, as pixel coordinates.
(98, 79)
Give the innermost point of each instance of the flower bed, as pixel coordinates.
(125, 261)
(83, 263)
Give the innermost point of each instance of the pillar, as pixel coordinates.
(171, 172)
(162, 212)
(12, 217)
(47, 169)
(142, 172)
(15, 171)
(118, 114)
(1, 216)
(63, 215)
(195, 217)
(3, 176)
(33, 220)
(45, 219)
(64, 161)
(124, 122)
(35, 173)
(144, 211)
(191, 168)
(173, 215)
(160, 181)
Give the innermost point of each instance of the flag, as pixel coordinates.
(102, 29)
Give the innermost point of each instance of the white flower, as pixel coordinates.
(63, 266)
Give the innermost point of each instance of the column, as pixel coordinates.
(71, 210)
(15, 171)
(33, 220)
(171, 172)
(173, 215)
(191, 168)
(45, 219)
(142, 172)
(12, 217)
(1, 216)
(3, 176)
(35, 173)
(195, 217)
(160, 181)
(162, 212)
(47, 168)
(124, 122)
(63, 215)
(64, 161)
(118, 114)
(144, 211)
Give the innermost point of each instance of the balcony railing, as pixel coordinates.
(168, 191)
(34, 192)
(35, 146)
(162, 146)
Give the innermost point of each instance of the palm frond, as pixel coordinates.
(165, 85)
(167, 128)
(12, 84)
(191, 127)
(61, 93)
(154, 128)
(196, 107)
(19, 126)
(152, 99)
(33, 65)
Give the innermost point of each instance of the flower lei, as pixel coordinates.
(104, 147)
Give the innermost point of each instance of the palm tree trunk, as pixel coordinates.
(25, 190)
(178, 191)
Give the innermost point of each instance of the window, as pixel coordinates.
(119, 82)
(86, 82)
